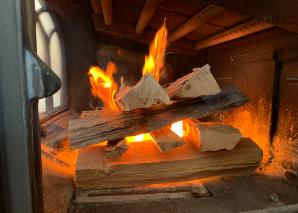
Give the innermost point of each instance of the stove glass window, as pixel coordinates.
(50, 50)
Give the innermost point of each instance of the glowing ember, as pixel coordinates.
(155, 60)
(103, 85)
(139, 138)
(177, 128)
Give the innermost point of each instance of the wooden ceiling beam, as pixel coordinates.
(195, 22)
(96, 6)
(107, 9)
(283, 13)
(241, 30)
(125, 30)
(148, 11)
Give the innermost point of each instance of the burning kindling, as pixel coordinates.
(147, 113)
(103, 86)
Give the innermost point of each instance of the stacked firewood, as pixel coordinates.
(147, 107)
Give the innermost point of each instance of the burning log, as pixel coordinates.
(198, 83)
(145, 164)
(94, 129)
(213, 136)
(115, 148)
(144, 94)
(166, 140)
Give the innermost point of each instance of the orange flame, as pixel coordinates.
(103, 85)
(153, 64)
(155, 60)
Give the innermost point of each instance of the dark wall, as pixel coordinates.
(255, 64)
(80, 47)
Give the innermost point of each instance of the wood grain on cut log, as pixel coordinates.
(145, 164)
(144, 94)
(90, 113)
(115, 148)
(92, 130)
(198, 83)
(166, 140)
(213, 136)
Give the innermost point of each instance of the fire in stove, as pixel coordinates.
(104, 87)
(173, 143)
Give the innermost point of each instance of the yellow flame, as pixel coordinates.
(155, 60)
(103, 85)
(139, 138)
(177, 128)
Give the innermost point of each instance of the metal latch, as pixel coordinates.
(41, 80)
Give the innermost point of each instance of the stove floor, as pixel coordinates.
(231, 194)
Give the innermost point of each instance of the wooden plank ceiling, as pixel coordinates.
(188, 22)
(192, 24)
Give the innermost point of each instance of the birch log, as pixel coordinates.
(213, 136)
(144, 94)
(198, 83)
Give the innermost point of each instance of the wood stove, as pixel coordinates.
(164, 106)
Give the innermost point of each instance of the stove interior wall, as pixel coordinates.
(256, 64)
(286, 140)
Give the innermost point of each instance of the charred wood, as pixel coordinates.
(95, 129)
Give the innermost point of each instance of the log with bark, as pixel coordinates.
(144, 94)
(95, 129)
(166, 140)
(213, 136)
(145, 164)
(197, 83)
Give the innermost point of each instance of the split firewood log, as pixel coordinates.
(116, 148)
(213, 136)
(90, 113)
(144, 94)
(166, 140)
(198, 83)
(143, 164)
(106, 127)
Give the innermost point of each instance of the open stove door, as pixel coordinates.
(23, 79)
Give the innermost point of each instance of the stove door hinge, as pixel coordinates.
(41, 80)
